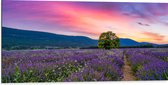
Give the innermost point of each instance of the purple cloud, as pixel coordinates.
(142, 24)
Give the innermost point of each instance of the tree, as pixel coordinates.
(108, 40)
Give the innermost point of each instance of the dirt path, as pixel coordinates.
(128, 76)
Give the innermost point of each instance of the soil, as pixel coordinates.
(128, 76)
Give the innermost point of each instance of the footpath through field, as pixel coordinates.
(128, 76)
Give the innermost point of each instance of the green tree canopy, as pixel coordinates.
(108, 40)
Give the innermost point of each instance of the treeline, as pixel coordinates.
(140, 46)
(35, 47)
(91, 47)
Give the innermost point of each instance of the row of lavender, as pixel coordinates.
(149, 64)
(62, 65)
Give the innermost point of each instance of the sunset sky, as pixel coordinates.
(143, 22)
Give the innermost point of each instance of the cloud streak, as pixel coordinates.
(154, 36)
(140, 23)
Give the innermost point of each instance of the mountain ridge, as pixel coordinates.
(15, 37)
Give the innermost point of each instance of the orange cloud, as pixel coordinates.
(154, 36)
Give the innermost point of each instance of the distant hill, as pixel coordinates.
(15, 38)
(128, 42)
(24, 38)
(162, 46)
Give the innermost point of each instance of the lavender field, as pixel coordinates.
(69, 65)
